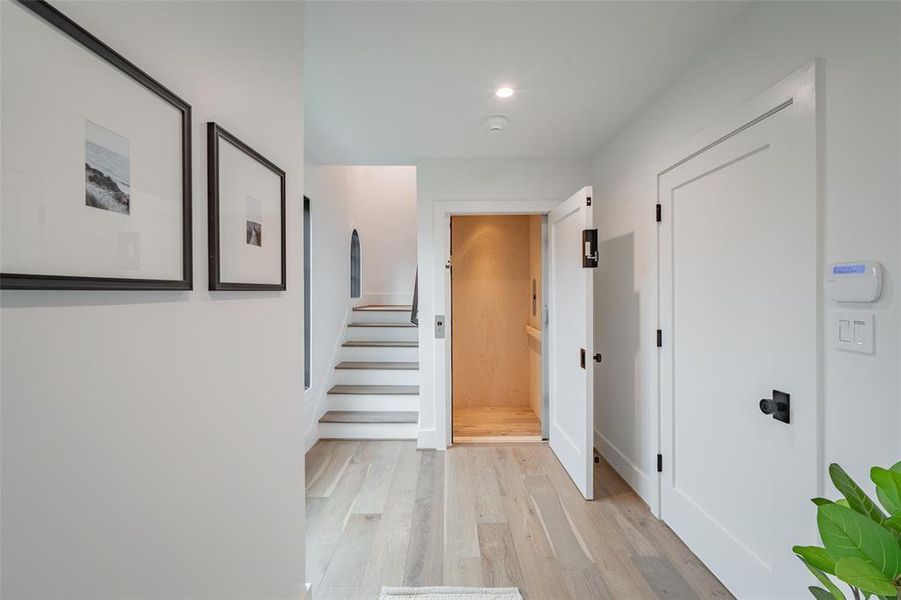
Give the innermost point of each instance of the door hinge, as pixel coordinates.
(660, 463)
(589, 248)
(660, 338)
(659, 213)
(587, 200)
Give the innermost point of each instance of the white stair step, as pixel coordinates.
(400, 390)
(382, 332)
(377, 373)
(378, 353)
(382, 314)
(391, 402)
(369, 416)
(368, 431)
(376, 377)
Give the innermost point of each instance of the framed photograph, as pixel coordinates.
(96, 163)
(246, 216)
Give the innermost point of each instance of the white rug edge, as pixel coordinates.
(415, 591)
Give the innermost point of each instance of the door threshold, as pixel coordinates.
(495, 439)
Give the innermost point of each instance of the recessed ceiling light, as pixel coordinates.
(504, 92)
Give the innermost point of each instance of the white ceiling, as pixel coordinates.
(392, 82)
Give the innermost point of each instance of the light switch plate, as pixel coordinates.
(853, 331)
(439, 327)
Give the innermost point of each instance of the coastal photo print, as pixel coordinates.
(106, 169)
(254, 222)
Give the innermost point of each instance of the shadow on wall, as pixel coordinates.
(617, 412)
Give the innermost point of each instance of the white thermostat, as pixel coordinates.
(854, 281)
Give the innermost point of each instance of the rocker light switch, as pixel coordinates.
(854, 332)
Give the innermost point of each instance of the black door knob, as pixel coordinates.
(779, 406)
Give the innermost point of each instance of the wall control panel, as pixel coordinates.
(854, 281)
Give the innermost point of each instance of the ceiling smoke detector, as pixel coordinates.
(495, 123)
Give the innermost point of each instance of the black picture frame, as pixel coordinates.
(29, 281)
(214, 134)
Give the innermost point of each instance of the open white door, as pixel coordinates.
(570, 323)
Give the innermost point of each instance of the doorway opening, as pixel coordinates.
(497, 303)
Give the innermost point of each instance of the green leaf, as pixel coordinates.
(847, 534)
(862, 574)
(824, 579)
(820, 594)
(857, 498)
(888, 488)
(821, 501)
(816, 557)
(893, 524)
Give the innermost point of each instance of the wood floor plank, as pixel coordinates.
(541, 573)
(322, 479)
(462, 562)
(329, 524)
(482, 470)
(500, 566)
(587, 584)
(389, 548)
(425, 553)
(509, 478)
(348, 563)
(495, 421)
(663, 578)
(335, 592)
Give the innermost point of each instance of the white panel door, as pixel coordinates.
(570, 323)
(739, 306)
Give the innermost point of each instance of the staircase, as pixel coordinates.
(376, 391)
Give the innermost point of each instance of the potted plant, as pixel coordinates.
(862, 541)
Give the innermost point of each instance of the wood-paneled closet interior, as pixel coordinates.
(496, 327)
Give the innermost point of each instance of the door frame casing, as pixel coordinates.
(443, 210)
(800, 89)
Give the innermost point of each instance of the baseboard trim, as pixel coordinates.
(427, 439)
(637, 479)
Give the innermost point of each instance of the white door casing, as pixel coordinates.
(740, 314)
(570, 326)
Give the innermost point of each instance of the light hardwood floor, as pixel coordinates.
(383, 513)
(495, 421)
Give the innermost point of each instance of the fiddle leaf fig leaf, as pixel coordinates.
(848, 534)
(857, 498)
(824, 579)
(821, 501)
(816, 557)
(888, 488)
(863, 575)
(820, 594)
(893, 524)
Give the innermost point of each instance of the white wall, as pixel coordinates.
(461, 180)
(860, 44)
(383, 208)
(327, 189)
(152, 442)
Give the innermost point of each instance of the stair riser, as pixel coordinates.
(376, 377)
(366, 402)
(366, 316)
(368, 431)
(383, 334)
(379, 354)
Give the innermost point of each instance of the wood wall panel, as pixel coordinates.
(491, 295)
(535, 313)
